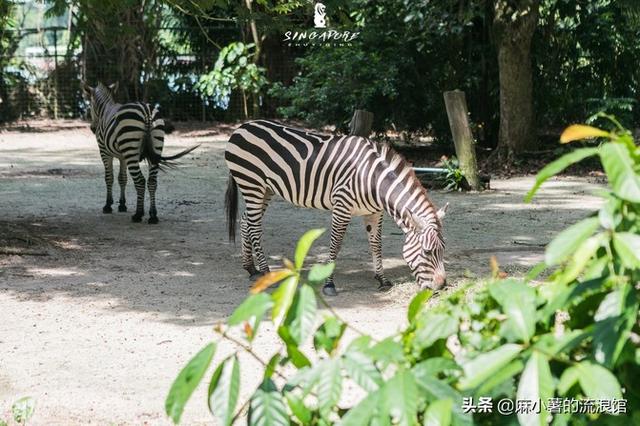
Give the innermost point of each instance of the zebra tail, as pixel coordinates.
(231, 207)
(149, 153)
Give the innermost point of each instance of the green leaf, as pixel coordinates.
(518, 301)
(485, 365)
(272, 365)
(627, 246)
(386, 351)
(536, 384)
(298, 359)
(597, 382)
(438, 413)
(401, 397)
(362, 370)
(224, 390)
(433, 327)
(299, 410)
(417, 303)
(320, 272)
(267, 407)
(186, 382)
(552, 345)
(614, 318)
(568, 379)
(23, 409)
(494, 382)
(283, 297)
(609, 215)
(328, 335)
(363, 411)
(436, 365)
(301, 317)
(435, 389)
(304, 244)
(306, 378)
(254, 305)
(567, 241)
(581, 257)
(329, 385)
(559, 165)
(619, 167)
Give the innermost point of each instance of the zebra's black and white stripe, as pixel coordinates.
(131, 132)
(349, 175)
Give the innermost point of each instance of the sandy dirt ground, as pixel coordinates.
(98, 314)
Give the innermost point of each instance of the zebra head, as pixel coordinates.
(97, 97)
(424, 251)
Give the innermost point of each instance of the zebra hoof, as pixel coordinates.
(383, 288)
(137, 218)
(153, 220)
(122, 208)
(255, 276)
(107, 209)
(329, 290)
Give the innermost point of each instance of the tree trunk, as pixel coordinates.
(514, 24)
(458, 114)
(361, 123)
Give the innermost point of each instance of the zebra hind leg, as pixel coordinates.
(339, 222)
(254, 213)
(247, 250)
(122, 180)
(107, 161)
(373, 226)
(152, 185)
(139, 183)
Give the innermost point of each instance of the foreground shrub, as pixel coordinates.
(565, 351)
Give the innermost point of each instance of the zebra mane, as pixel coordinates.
(391, 156)
(103, 94)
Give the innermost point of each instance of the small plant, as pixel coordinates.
(453, 179)
(22, 410)
(234, 69)
(574, 338)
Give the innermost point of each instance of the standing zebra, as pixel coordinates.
(131, 132)
(349, 175)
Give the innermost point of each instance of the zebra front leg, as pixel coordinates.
(139, 183)
(373, 225)
(107, 160)
(247, 251)
(340, 219)
(152, 184)
(122, 180)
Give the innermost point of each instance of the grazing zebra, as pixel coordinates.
(131, 132)
(349, 175)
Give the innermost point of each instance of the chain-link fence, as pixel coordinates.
(42, 78)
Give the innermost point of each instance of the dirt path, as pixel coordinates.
(98, 314)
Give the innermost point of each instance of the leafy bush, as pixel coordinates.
(573, 337)
(234, 69)
(22, 410)
(453, 178)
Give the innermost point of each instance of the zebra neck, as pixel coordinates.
(405, 200)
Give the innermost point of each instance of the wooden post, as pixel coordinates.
(361, 122)
(456, 104)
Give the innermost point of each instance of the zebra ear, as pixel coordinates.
(417, 223)
(113, 87)
(88, 90)
(442, 211)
